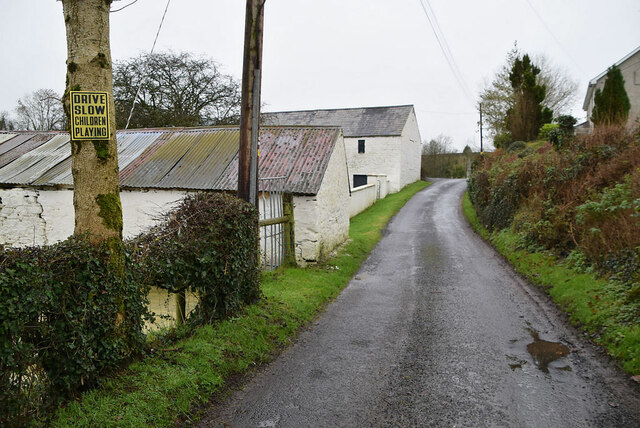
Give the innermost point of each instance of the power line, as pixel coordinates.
(150, 53)
(566, 52)
(444, 47)
(123, 7)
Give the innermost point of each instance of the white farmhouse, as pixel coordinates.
(159, 167)
(630, 68)
(382, 143)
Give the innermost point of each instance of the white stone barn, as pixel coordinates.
(159, 167)
(383, 144)
(630, 68)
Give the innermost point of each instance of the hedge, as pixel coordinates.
(61, 323)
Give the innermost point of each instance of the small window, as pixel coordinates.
(360, 146)
(359, 180)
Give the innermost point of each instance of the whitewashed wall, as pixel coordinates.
(397, 157)
(322, 221)
(410, 158)
(362, 197)
(40, 217)
(381, 156)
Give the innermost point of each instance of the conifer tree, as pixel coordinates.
(611, 104)
(528, 114)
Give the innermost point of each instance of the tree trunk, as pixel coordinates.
(94, 163)
(96, 196)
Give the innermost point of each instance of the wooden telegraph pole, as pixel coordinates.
(250, 103)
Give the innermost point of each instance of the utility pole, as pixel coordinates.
(250, 103)
(480, 106)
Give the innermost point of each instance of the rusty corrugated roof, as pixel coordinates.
(299, 153)
(195, 159)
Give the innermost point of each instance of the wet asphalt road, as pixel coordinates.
(436, 330)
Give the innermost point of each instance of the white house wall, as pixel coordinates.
(397, 157)
(410, 155)
(381, 156)
(630, 70)
(322, 221)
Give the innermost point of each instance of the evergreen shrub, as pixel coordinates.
(66, 318)
(209, 246)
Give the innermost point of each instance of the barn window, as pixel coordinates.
(360, 146)
(359, 180)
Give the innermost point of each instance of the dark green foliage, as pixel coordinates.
(516, 146)
(501, 141)
(528, 114)
(209, 246)
(561, 137)
(58, 324)
(611, 105)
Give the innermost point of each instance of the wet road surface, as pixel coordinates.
(436, 330)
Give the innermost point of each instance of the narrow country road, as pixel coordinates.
(436, 330)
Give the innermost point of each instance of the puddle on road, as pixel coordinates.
(544, 352)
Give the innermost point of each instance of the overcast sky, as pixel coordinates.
(342, 53)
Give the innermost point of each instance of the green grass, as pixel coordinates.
(172, 383)
(599, 306)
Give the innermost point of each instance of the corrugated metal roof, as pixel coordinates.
(355, 122)
(19, 146)
(300, 154)
(198, 159)
(6, 136)
(32, 165)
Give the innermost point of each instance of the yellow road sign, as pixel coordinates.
(89, 115)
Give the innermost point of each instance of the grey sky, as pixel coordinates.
(341, 53)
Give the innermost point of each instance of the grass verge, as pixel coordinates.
(601, 307)
(170, 384)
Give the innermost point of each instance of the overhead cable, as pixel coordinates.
(145, 76)
(566, 52)
(444, 47)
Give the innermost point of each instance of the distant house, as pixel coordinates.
(630, 68)
(158, 167)
(382, 143)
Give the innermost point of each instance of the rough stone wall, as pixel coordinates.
(322, 221)
(381, 156)
(21, 222)
(40, 217)
(410, 155)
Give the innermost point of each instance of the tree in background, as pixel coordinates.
(177, 90)
(498, 96)
(40, 111)
(6, 124)
(611, 104)
(527, 114)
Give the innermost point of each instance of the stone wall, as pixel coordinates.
(322, 220)
(411, 151)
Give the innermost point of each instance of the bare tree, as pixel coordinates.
(40, 111)
(175, 90)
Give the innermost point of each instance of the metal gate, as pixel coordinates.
(276, 220)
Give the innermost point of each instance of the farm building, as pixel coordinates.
(382, 143)
(630, 68)
(158, 167)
